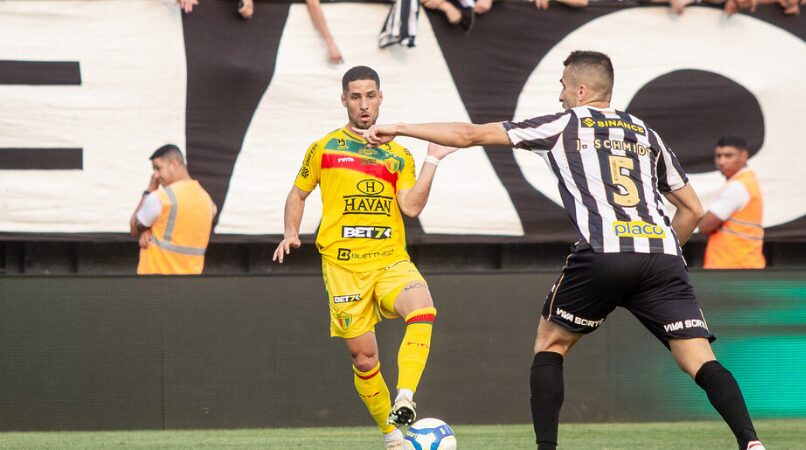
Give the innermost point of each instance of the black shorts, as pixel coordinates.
(654, 287)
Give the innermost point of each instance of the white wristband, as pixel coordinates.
(432, 159)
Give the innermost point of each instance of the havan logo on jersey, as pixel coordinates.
(638, 228)
(368, 204)
(589, 122)
(370, 186)
(369, 232)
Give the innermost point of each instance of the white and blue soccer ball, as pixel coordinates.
(430, 434)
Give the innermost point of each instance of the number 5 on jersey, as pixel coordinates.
(620, 167)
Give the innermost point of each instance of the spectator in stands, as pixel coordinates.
(678, 6)
(544, 4)
(318, 19)
(187, 5)
(790, 7)
(482, 6)
(457, 12)
(246, 8)
(173, 223)
(733, 221)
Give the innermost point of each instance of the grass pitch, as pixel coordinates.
(706, 435)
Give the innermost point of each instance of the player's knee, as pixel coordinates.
(553, 338)
(365, 362)
(691, 354)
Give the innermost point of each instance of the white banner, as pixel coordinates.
(133, 97)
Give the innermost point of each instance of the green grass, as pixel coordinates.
(709, 435)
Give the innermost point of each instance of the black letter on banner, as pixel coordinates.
(40, 73)
(229, 67)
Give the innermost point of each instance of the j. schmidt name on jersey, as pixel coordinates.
(626, 146)
(368, 204)
(369, 232)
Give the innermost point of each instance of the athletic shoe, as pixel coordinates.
(755, 445)
(403, 413)
(393, 440)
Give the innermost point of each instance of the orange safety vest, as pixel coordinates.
(180, 234)
(738, 241)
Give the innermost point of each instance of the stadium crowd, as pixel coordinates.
(463, 13)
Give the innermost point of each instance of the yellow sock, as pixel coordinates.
(414, 349)
(375, 395)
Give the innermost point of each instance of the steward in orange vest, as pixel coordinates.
(173, 223)
(733, 222)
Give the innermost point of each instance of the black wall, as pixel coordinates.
(254, 351)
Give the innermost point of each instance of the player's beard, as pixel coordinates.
(358, 124)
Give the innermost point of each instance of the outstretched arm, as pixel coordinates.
(318, 19)
(688, 214)
(412, 201)
(454, 134)
(294, 206)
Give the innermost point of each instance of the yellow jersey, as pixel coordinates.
(362, 227)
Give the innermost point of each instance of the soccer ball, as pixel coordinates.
(430, 434)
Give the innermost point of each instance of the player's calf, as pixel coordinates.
(726, 397)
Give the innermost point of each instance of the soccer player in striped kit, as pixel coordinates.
(367, 271)
(611, 170)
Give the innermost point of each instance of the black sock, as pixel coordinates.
(726, 397)
(547, 389)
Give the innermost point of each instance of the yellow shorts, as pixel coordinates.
(358, 299)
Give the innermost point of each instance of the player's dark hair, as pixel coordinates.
(595, 60)
(359, 73)
(732, 141)
(168, 151)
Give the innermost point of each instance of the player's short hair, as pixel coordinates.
(597, 62)
(732, 141)
(168, 151)
(359, 73)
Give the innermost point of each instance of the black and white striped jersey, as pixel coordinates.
(611, 170)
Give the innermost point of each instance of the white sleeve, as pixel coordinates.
(151, 209)
(539, 134)
(733, 197)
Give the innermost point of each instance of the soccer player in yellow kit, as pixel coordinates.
(367, 271)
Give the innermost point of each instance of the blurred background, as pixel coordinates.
(90, 88)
